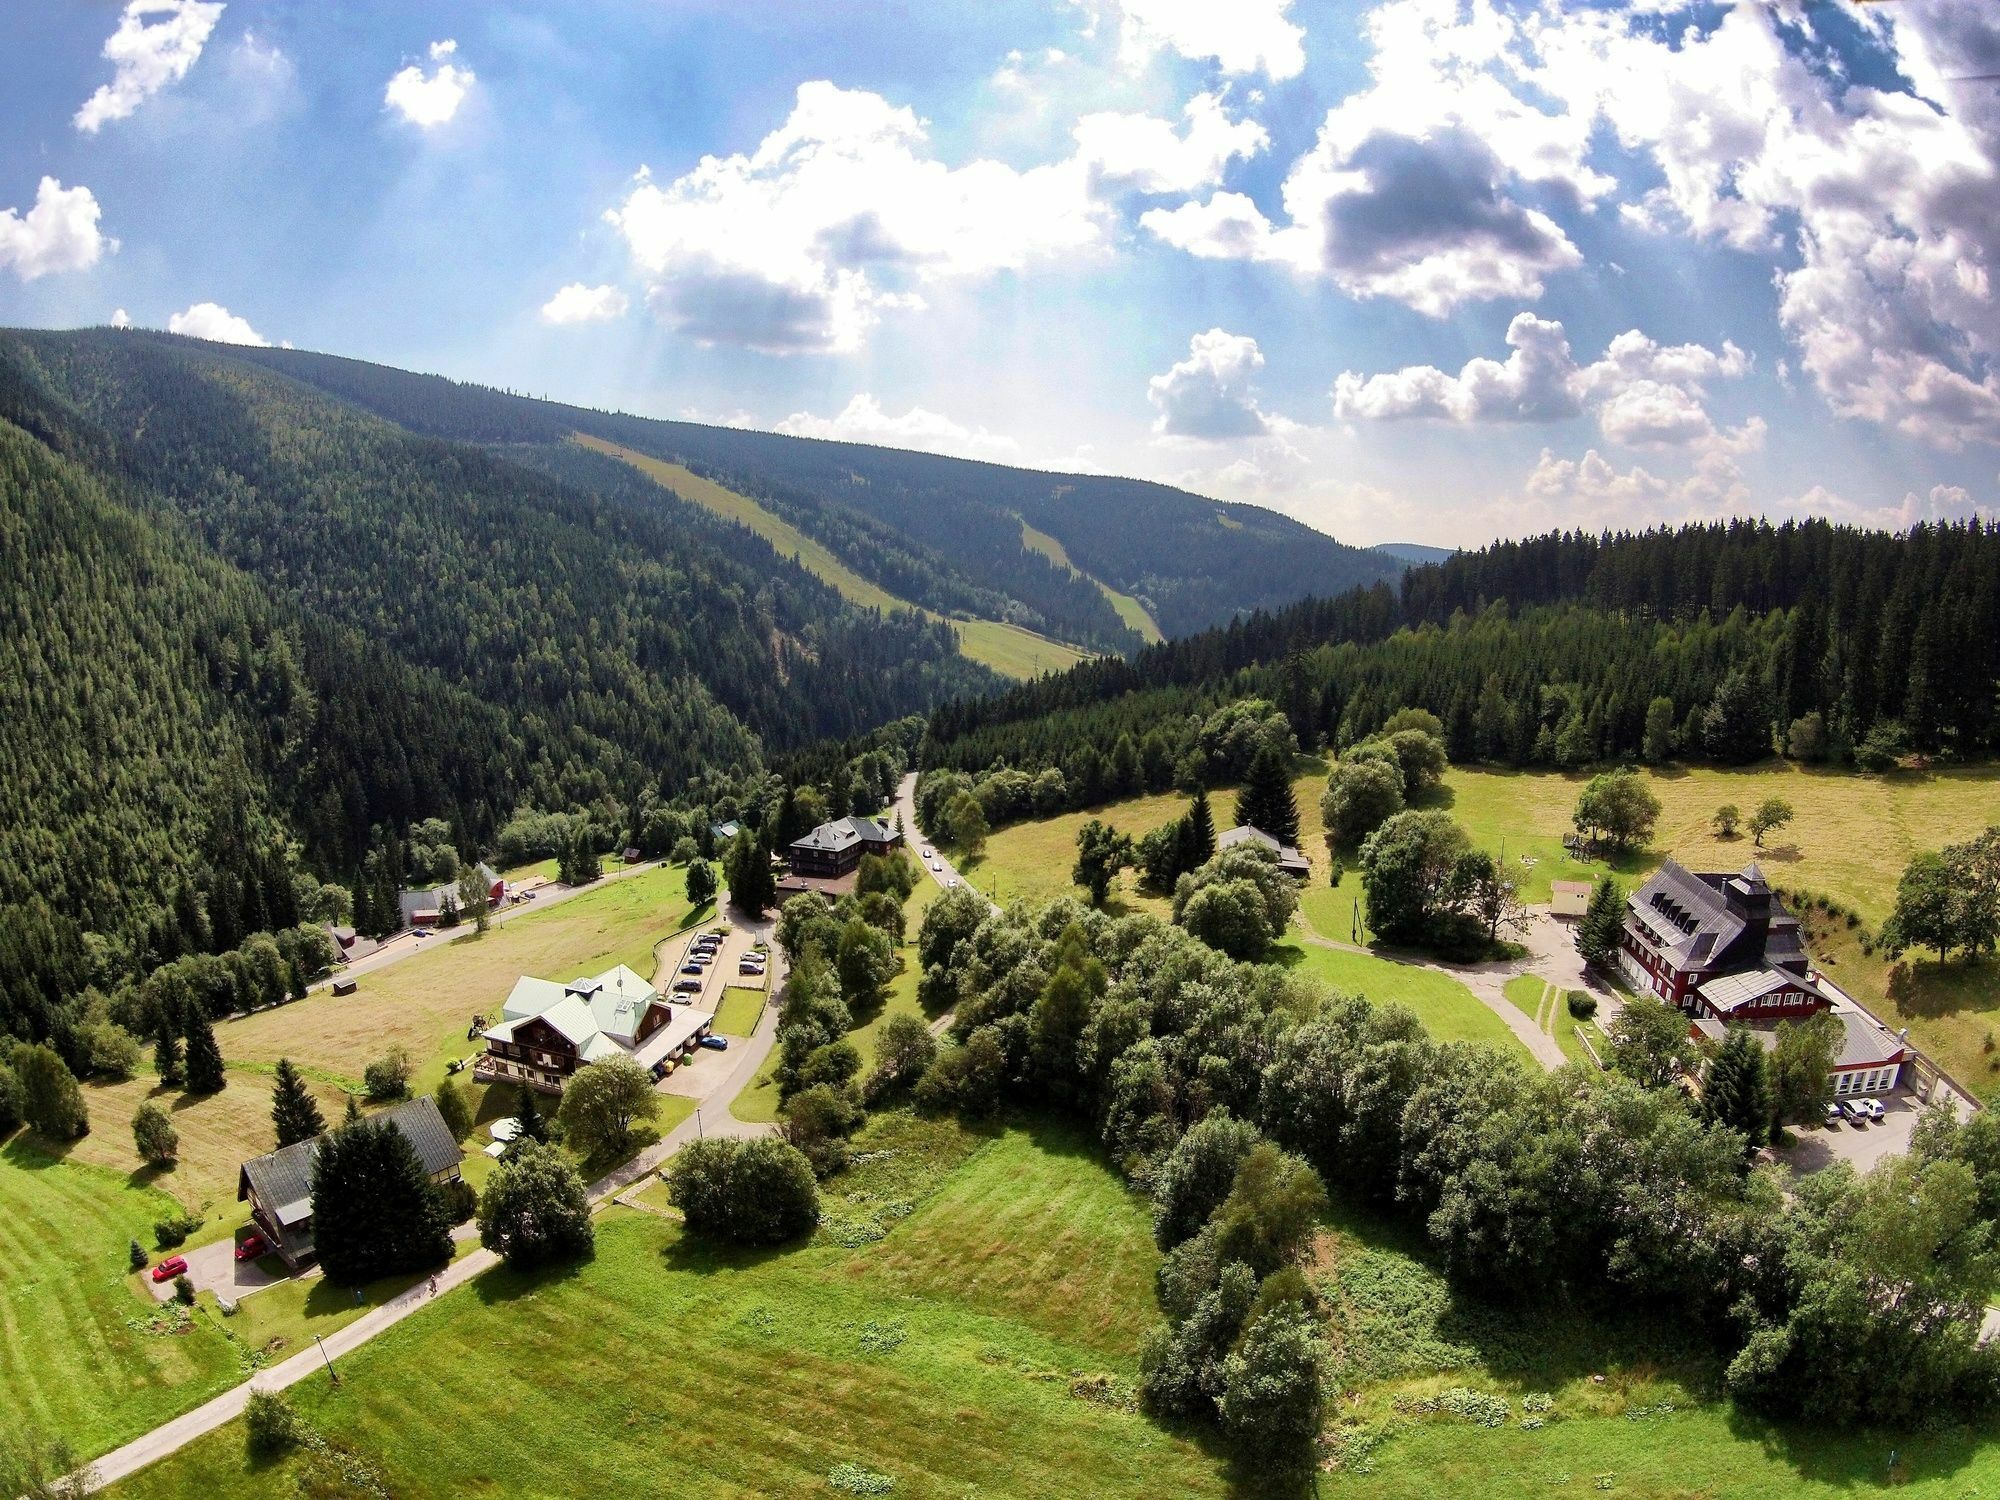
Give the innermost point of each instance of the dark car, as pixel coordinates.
(172, 1266)
(716, 1043)
(687, 986)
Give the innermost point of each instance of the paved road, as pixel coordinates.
(712, 1118)
(906, 805)
(406, 943)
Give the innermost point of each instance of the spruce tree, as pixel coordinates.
(529, 1117)
(1602, 929)
(1200, 830)
(167, 1055)
(1267, 802)
(294, 1115)
(204, 1058)
(1736, 1091)
(374, 1212)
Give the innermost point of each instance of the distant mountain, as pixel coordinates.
(1415, 554)
(252, 627)
(945, 533)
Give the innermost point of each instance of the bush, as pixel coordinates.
(757, 1192)
(818, 1121)
(903, 1051)
(388, 1077)
(183, 1290)
(1582, 1006)
(270, 1425)
(138, 1258)
(457, 1200)
(172, 1231)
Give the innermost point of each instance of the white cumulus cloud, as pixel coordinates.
(210, 320)
(839, 214)
(430, 99)
(156, 42)
(1644, 393)
(863, 420)
(1210, 394)
(59, 233)
(1148, 155)
(120, 318)
(1240, 36)
(577, 303)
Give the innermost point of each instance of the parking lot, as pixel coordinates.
(1861, 1146)
(706, 1071)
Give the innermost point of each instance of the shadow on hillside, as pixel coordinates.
(690, 1253)
(1857, 1459)
(1928, 989)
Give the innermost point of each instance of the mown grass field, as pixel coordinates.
(217, 1132)
(75, 1357)
(909, 1357)
(1450, 1012)
(738, 1013)
(1130, 610)
(983, 1346)
(1008, 649)
(426, 1003)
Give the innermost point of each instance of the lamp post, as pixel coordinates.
(332, 1374)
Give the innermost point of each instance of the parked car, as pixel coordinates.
(687, 986)
(716, 1043)
(168, 1269)
(1853, 1110)
(1874, 1108)
(1834, 1115)
(252, 1247)
(694, 969)
(750, 966)
(937, 866)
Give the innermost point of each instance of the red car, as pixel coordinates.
(169, 1268)
(253, 1247)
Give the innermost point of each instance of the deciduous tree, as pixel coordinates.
(535, 1208)
(601, 1103)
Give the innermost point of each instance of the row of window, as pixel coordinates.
(1868, 1081)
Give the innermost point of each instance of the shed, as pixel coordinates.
(1569, 898)
(345, 986)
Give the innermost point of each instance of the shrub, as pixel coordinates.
(138, 1258)
(388, 1077)
(458, 1200)
(270, 1425)
(183, 1290)
(172, 1231)
(1582, 1006)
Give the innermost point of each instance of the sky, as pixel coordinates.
(1420, 270)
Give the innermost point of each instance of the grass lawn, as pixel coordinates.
(426, 1002)
(544, 868)
(919, 1358)
(740, 1008)
(1008, 649)
(1650, 1427)
(1450, 1012)
(1547, 1005)
(217, 1133)
(77, 1357)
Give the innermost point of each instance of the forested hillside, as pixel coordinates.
(1714, 641)
(945, 532)
(254, 632)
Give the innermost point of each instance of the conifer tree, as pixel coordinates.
(1267, 802)
(1602, 929)
(294, 1115)
(167, 1056)
(1736, 1091)
(374, 1212)
(1200, 831)
(528, 1117)
(204, 1057)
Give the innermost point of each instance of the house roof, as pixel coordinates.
(1246, 833)
(1867, 1044)
(1729, 992)
(599, 1015)
(843, 833)
(1699, 921)
(282, 1179)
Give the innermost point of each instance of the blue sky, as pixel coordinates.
(1429, 270)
